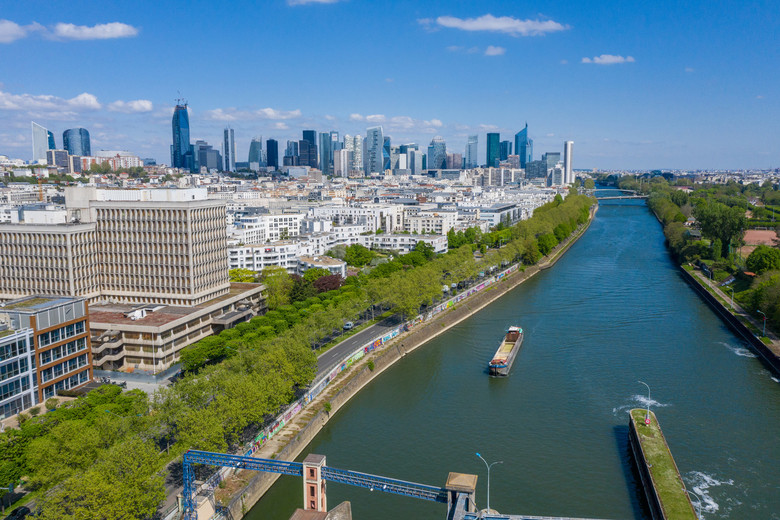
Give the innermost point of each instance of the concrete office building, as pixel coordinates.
(568, 148)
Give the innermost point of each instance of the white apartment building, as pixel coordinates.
(406, 243)
(438, 222)
(262, 228)
(375, 216)
(257, 257)
(332, 265)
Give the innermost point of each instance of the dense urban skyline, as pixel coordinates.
(671, 86)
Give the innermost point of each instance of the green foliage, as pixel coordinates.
(51, 403)
(763, 259)
(590, 184)
(358, 255)
(371, 365)
(720, 221)
(312, 275)
(425, 249)
(278, 286)
(242, 275)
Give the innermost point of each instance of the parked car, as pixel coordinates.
(348, 325)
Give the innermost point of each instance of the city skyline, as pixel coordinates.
(573, 72)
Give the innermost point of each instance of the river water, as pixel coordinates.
(612, 311)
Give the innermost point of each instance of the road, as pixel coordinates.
(329, 359)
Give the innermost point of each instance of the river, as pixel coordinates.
(612, 311)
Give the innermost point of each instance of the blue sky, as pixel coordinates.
(663, 84)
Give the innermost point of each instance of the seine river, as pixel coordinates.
(611, 312)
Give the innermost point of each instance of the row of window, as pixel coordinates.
(62, 351)
(53, 336)
(63, 368)
(10, 408)
(14, 368)
(14, 388)
(71, 382)
(12, 349)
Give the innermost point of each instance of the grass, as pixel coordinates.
(666, 478)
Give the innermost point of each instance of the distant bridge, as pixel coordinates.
(625, 194)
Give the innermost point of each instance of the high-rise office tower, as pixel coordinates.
(335, 143)
(272, 153)
(292, 149)
(373, 145)
(437, 154)
(568, 148)
(492, 155)
(524, 147)
(326, 154)
(256, 153)
(386, 153)
(182, 153)
(207, 157)
(342, 162)
(42, 140)
(471, 152)
(551, 158)
(76, 141)
(454, 161)
(310, 157)
(354, 145)
(229, 150)
(504, 150)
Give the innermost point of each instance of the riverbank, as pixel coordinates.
(242, 490)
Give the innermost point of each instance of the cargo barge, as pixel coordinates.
(506, 353)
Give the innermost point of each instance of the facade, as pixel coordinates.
(229, 150)
(471, 151)
(326, 154)
(42, 140)
(332, 265)
(261, 228)
(492, 155)
(439, 222)
(311, 157)
(342, 162)
(255, 157)
(355, 145)
(524, 147)
(568, 148)
(207, 157)
(373, 146)
(551, 158)
(272, 153)
(76, 141)
(60, 341)
(437, 154)
(454, 161)
(535, 169)
(18, 382)
(504, 150)
(182, 154)
(58, 158)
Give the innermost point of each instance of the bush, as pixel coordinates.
(51, 403)
(371, 365)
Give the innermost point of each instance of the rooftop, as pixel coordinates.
(36, 303)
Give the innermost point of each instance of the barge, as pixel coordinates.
(506, 353)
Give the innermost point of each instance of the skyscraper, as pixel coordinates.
(326, 154)
(524, 147)
(42, 140)
(504, 150)
(568, 147)
(437, 154)
(256, 152)
(272, 153)
(471, 152)
(551, 158)
(309, 157)
(492, 155)
(386, 153)
(182, 154)
(373, 163)
(76, 141)
(291, 157)
(354, 145)
(229, 150)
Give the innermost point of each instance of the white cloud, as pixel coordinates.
(103, 31)
(488, 127)
(232, 114)
(434, 122)
(84, 101)
(219, 115)
(271, 113)
(494, 51)
(356, 117)
(305, 2)
(11, 31)
(609, 59)
(689, 69)
(281, 126)
(759, 96)
(330, 117)
(131, 107)
(455, 48)
(502, 24)
(564, 62)
(376, 118)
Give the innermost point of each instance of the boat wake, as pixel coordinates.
(701, 483)
(639, 401)
(740, 351)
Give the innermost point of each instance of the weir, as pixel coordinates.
(458, 493)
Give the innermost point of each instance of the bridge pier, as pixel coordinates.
(461, 495)
(315, 497)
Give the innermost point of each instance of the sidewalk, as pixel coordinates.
(737, 310)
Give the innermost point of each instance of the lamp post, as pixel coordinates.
(488, 483)
(763, 332)
(647, 414)
(698, 503)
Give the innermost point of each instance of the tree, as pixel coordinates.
(315, 273)
(358, 255)
(328, 283)
(590, 184)
(279, 286)
(426, 249)
(720, 221)
(242, 275)
(763, 259)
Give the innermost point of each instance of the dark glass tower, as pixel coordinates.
(326, 154)
(272, 153)
(386, 154)
(182, 155)
(505, 150)
(310, 157)
(524, 147)
(76, 142)
(492, 157)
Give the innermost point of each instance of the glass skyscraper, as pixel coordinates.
(76, 142)
(386, 153)
(492, 155)
(308, 155)
(373, 146)
(524, 147)
(471, 152)
(272, 153)
(42, 140)
(229, 150)
(182, 154)
(437, 154)
(505, 150)
(256, 151)
(326, 154)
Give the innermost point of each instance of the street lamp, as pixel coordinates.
(488, 484)
(698, 503)
(763, 332)
(647, 414)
